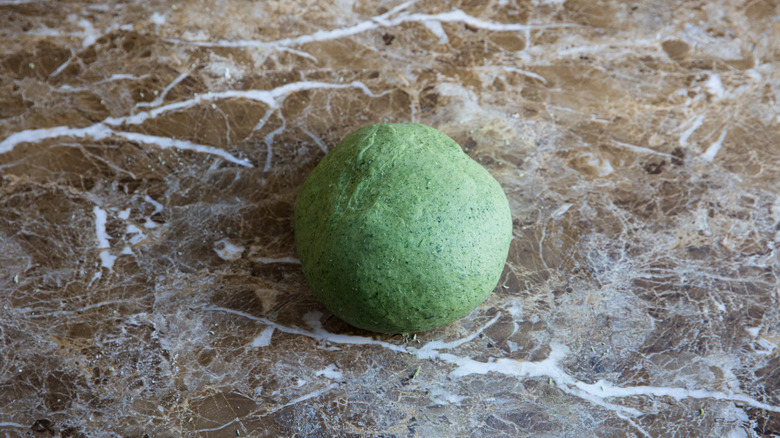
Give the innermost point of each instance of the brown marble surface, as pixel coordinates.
(150, 153)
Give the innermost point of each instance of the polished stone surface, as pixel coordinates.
(150, 153)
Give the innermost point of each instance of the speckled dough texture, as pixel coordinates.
(399, 231)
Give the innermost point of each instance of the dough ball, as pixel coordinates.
(399, 231)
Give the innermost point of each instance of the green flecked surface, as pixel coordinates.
(399, 231)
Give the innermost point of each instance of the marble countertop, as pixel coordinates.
(150, 154)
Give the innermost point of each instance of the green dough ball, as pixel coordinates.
(399, 231)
